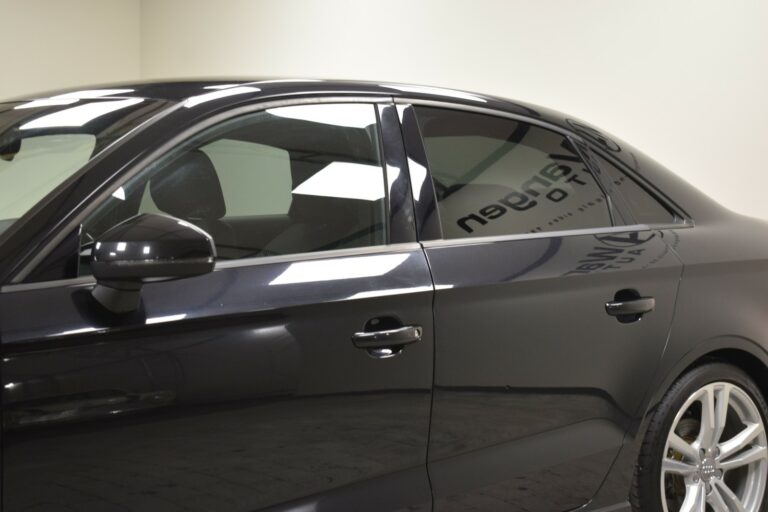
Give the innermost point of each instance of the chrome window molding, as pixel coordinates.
(75, 282)
(452, 242)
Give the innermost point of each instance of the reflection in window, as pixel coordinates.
(345, 180)
(79, 115)
(496, 176)
(45, 141)
(283, 181)
(348, 115)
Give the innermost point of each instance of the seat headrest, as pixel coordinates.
(189, 188)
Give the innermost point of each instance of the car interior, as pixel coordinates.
(191, 187)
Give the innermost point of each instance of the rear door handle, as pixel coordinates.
(630, 307)
(388, 342)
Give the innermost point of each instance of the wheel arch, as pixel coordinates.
(746, 354)
(743, 353)
(751, 364)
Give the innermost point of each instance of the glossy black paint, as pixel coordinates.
(147, 248)
(152, 247)
(243, 387)
(255, 392)
(402, 227)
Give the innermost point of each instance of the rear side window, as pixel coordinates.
(496, 176)
(643, 206)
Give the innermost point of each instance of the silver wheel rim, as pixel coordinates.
(716, 455)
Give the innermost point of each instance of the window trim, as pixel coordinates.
(480, 240)
(578, 142)
(75, 217)
(616, 209)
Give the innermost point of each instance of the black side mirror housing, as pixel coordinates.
(147, 248)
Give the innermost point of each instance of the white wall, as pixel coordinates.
(683, 80)
(686, 80)
(50, 44)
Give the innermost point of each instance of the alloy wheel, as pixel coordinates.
(716, 454)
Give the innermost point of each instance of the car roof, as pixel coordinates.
(186, 89)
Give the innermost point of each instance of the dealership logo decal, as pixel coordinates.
(616, 251)
(540, 187)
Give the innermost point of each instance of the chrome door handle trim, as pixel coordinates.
(388, 338)
(631, 307)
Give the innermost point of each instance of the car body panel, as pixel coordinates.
(245, 351)
(721, 314)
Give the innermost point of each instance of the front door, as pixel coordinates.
(263, 384)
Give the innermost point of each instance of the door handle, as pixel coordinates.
(630, 307)
(388, 342)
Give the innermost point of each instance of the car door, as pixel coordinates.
(550, 316)
(264, 384)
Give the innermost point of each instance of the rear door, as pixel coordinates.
(535, 382)
(263, 384)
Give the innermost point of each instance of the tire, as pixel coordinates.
(683, 466)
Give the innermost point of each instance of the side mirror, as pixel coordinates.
(147, 248)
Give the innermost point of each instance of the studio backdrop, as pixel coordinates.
(684, 81)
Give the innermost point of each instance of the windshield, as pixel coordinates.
(45, 141)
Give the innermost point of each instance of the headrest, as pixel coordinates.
(189, 188)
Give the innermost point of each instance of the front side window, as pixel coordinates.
(496, 176)
(45, 141)
(282, 181)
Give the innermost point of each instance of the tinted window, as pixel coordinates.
(266, 192)
(45, 141)
(644, 207)
(282, 181)
(497, 176)
(37, 166)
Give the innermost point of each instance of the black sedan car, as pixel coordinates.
(313, 295)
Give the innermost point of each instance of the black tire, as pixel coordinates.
(645, 495)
